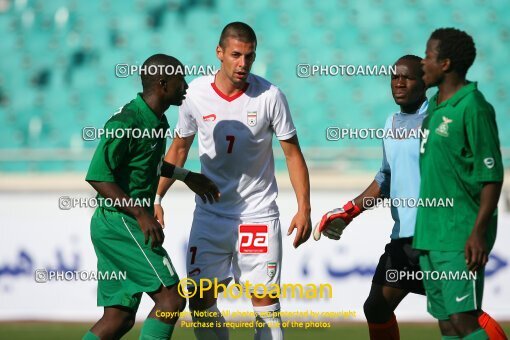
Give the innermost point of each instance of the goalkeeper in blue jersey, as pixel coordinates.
(398, 178)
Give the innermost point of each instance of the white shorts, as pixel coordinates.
(217, 244)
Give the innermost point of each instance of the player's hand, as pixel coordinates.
(332, 224)
(303, 224)
(203, 187)
(159, 214)
(151, 229)
(334, 221)
(476, 251)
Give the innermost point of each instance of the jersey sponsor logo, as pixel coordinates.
(253, 239)
(209, 118)
(271, 269)
(460, 299)
(442, 129)
(489, 162)
(153, 146)
(252, 118)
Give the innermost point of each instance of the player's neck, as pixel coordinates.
(449, 86)
(154, 104)
(412, 108)
(226, 86)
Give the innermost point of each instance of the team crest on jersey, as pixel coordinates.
(271, 269)
(252, 118)
(442, 129)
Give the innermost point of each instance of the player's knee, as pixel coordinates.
(128, 323)
(172, 304)
(369, 308)
(207, 301)
(375, 310)
(119, 323)
(465, 323)
(264, 301)
(181, 304)
(446, 328)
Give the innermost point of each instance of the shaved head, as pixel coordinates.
(238, 31)
(153, 70)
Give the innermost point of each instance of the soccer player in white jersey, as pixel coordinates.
(235, 114)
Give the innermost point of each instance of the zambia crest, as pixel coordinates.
(252, 118)
(442, 129)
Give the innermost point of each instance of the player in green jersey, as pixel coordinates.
(127, 238)
(460, 160)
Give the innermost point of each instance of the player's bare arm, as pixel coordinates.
(300, 180)
(198, 183)
(476, 250)
(335, 221)
(176, 155)
(364, 201)
(150, 227)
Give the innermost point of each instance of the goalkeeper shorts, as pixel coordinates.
(399, 257)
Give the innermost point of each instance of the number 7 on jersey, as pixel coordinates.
(230, 140)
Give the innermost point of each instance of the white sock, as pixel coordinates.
(272, 322)
(214, 333)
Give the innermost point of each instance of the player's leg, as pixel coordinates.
(208, 303)
(435, 302)
(268, 319)
(160, 322)
(379, 308)
(390, 287)
(115, 322)
(261, 265)
(467, 326)
(462, 297)
(119, 314)
(152, 271)
(209, 256)
(120, 248)
(491, 326)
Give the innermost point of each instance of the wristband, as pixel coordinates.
(180, 174)
(352, 209)
(171, 171)
(157, 200)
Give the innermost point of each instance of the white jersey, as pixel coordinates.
(235, 143)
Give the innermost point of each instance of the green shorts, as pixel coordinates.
(120, 247)
(449, 285)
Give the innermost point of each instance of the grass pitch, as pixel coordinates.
(64, 330)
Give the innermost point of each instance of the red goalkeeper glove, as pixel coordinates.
(334, 222)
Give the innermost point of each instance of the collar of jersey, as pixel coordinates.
(457, 97)
(148, 115)
(422, 110)
(232, 97)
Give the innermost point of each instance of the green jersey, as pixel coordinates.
(131, 152)
(458, 153)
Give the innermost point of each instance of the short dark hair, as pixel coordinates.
(456, 45)
(239, 31)
(413, 58)
(410, 57)
(150, 79)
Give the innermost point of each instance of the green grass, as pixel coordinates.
(61, 330)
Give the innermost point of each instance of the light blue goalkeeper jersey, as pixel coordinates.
(399, 176)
